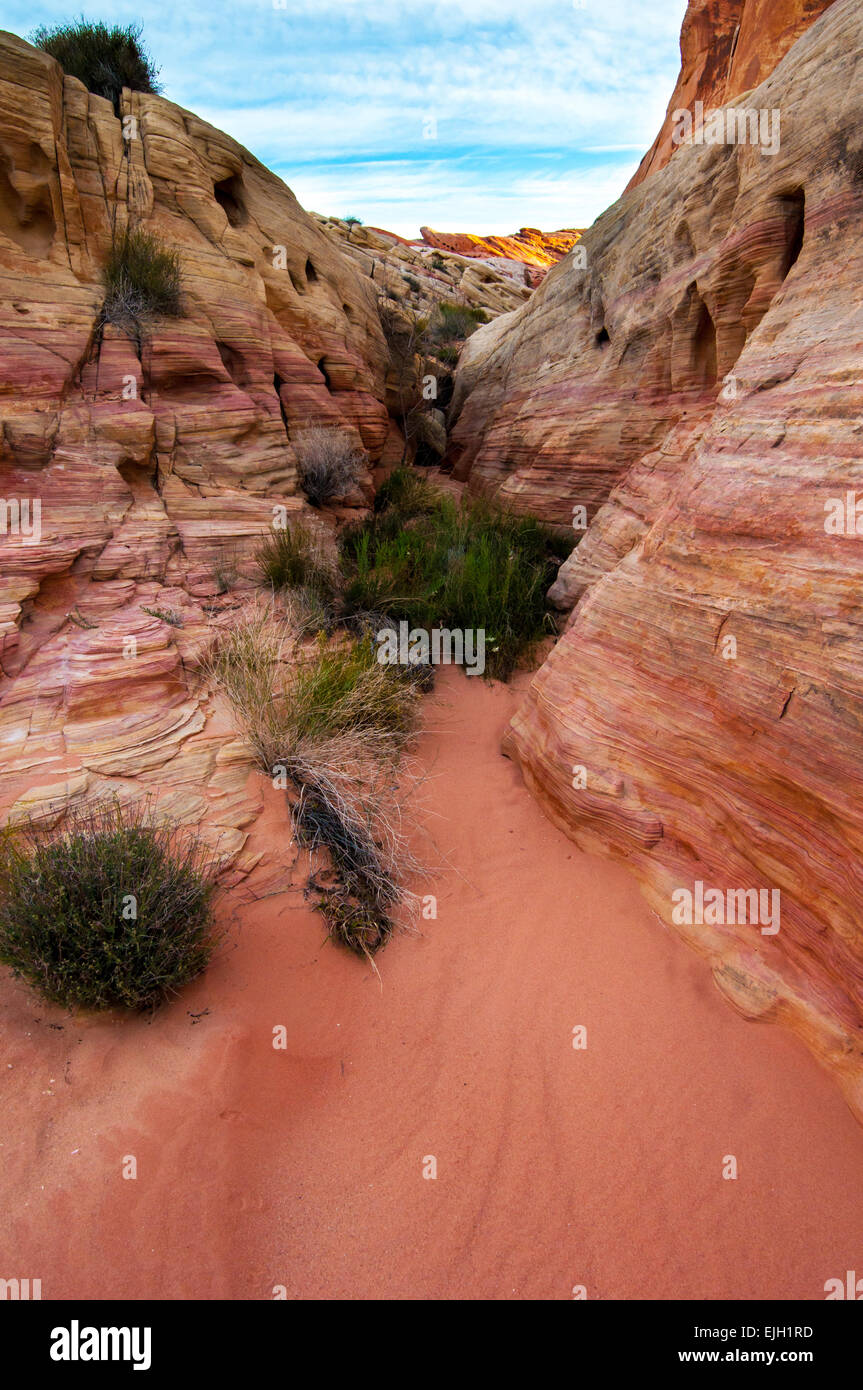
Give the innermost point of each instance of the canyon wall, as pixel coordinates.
(694, 383)
(726, 48)
(155, 460)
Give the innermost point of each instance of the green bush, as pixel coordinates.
(428, 560)
(105, 60)
(291, 558)
(142, 277)
(114, 911)
(455, 321)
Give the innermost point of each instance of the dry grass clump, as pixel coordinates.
(142, 278)
(348, 805)
(330, 466)
(329, 724)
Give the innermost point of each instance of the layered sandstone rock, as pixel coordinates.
(697, 388)
(405, 271)
(529, 246)
(726, 48)
(156, 459)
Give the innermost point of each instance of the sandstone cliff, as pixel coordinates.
(697, 389)
(726, 48)
(155, 465)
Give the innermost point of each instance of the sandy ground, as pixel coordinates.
(556, 1167)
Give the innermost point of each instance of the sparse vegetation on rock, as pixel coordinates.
(142, 279)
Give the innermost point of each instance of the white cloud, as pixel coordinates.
(542, 109)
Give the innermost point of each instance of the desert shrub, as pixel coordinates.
(455, 321)
(293, 558)
(105, 59)
(406, 493)
(437, 260)
(113, 911)
(413, 283)
(329, 465)
(469, 565)
(288, 698)
(331, 723)
(448, 354)
(142, 277)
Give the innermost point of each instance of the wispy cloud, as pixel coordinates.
(464, 114)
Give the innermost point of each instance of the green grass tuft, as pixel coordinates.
(292, 558)
(434, 562)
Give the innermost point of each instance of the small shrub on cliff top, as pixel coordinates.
(114, 911)
(105, 60)
(142, 277)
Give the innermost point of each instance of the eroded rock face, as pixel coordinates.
(155, 459)
(701, 716)
(727, 47)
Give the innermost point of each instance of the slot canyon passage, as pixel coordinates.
(556, 1167)
(685, 372)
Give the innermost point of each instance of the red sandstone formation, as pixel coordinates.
(156, 468)
(696, 388)
(726, 48)
(530, 246)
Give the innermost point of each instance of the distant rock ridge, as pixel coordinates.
(528, 246)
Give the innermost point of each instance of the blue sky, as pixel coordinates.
(464, 115)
